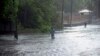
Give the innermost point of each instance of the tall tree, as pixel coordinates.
(9, 9)
(36, 14)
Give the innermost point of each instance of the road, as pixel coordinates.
(71, 41)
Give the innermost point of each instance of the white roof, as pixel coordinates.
(85, 11)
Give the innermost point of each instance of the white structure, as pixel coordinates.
(85, 12)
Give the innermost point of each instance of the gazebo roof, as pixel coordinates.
(84, 11)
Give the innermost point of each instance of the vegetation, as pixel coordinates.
(9, 9)
(35, 14)
(38, 14)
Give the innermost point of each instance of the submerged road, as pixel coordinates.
(71, 41)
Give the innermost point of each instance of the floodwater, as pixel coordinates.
(71, 41)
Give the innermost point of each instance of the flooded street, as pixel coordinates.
(71, 41)
(50, 28)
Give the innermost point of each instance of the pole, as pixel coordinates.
(98, 8)
(62, 13)
(15, 31)
(71, 13)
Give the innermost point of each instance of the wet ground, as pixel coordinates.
(72, 41)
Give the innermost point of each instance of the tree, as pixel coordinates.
(36, 14)
(9, 9)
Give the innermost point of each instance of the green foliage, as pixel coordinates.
(36, 14)
(10, 8)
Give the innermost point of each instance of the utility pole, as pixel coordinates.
(97, 8)
(15, 23)
(71, 13)
(62, 13)
(91, 15)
